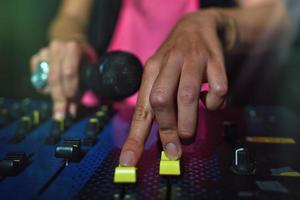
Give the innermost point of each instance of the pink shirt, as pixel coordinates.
(142, 27)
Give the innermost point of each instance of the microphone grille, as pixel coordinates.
(120, 75)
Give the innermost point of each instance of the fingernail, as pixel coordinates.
(172, 151)
(126, 158)
(58, 115)
(73, 110)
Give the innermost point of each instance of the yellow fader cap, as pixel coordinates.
(167, 166)
(125, 174)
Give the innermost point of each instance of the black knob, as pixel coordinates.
(70, 150)
(56, 131)
(13, 164)
(91, 132)
(243, 163)
(24, 126)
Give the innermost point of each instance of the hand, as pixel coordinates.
(64, 58)
(171, 84)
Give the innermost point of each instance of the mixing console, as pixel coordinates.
(237, 154)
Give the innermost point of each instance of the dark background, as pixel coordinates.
(23, 31)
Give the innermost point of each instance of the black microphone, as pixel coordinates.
(115, 76)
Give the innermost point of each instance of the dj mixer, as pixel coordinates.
(249, 153)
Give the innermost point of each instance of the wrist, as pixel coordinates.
(65, 27)
(227, 28)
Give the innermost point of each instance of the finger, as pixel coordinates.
(33, 62)
(188, 97)
(217, 80)
(142, 118)
(55, 83)
(162, 99)
(70, 67)
(216, 73)
(72, 108)
(41, 55)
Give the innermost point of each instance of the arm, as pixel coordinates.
(66, 47)
(72, 20)
(192, 54)
(256, 21)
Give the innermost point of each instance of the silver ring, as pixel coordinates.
(39, 78)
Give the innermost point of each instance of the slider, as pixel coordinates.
(168, 167)
(92, 130)
(124, 174)
(13, 164)
(70, 150)
(57, 129)
(24, 126)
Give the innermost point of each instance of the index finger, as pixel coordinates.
(55, 83)
(142, 118)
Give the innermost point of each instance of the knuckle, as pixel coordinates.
(219, 89)
(151, 65)
(197, 53)
(159, 98)
(69, 73)
(167, 128)
(175, 55)
(187, 94)
(133, 143)
(55, 44)
(141, 113)
(73, 45)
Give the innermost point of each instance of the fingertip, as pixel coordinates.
(213, 102)
(59, 110)
(173, 151)
(58, 115)
(73, 109)
(127, 158)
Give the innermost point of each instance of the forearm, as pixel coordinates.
(72, 20)
(253, 24)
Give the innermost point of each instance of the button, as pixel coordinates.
(102, 117)
(36, 117)
(104, 114)
(124, 174)
(70, 150)
(13, 164)
(167, 166)
(24, 126)
(45, 111)
(243, 164)
(56, 131)
(92, 130)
